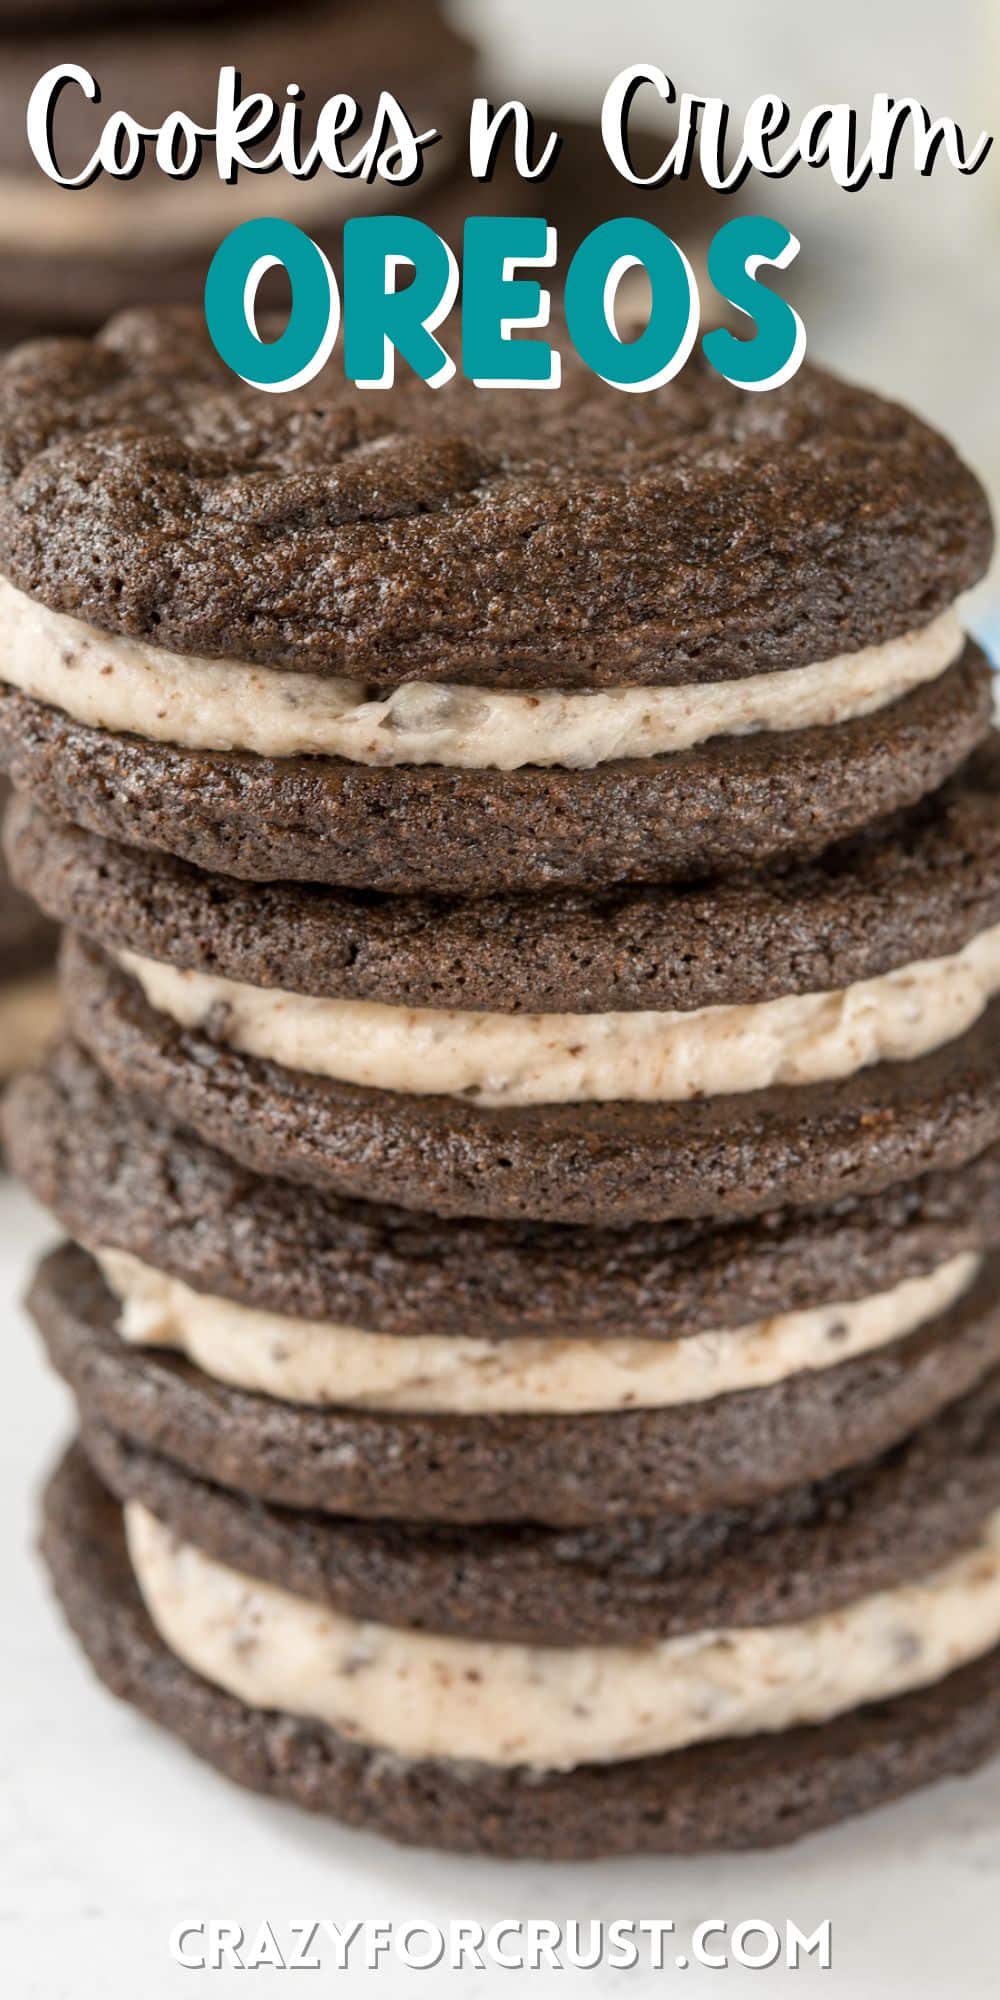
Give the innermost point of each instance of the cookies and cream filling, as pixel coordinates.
(519, 1059)
(328, 1364)
(29, 1017)
(422, 1696)
(108, 681)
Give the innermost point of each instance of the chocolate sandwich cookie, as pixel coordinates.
(459, 644)
(915, 888)
(685, 1458)
(807, 1551)
(593, 1161)
(758, 1789)
(476, 832)
(581, 191)
(70, 257)
(120, 1179)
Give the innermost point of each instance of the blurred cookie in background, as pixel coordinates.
(28, 1003)
(70, 257)
(586, 190)
(16, 16)
(581, 191)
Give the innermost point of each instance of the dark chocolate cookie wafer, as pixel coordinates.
(807, 1551)
(685, 1459)
(916, 888)
(118, 1177)
(733, 803)
(584, 539)
(595, 1163)
(754, 1792)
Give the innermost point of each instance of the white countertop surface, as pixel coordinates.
(112, 1833)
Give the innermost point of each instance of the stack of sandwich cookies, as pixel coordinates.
(536, 1333)
(28, 999)
(471, 1682)
(670, 1052)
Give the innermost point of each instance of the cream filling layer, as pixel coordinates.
(322, 1362)
(29, 1017)
(420, 1696)
(516, 1059)
(179, 215)
(109, 682)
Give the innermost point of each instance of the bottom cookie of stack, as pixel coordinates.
(550, 1623)
(728, 1737)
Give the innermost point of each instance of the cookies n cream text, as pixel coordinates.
(253, 134)
(827, 136)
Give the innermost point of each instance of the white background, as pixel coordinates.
(112, 1833)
